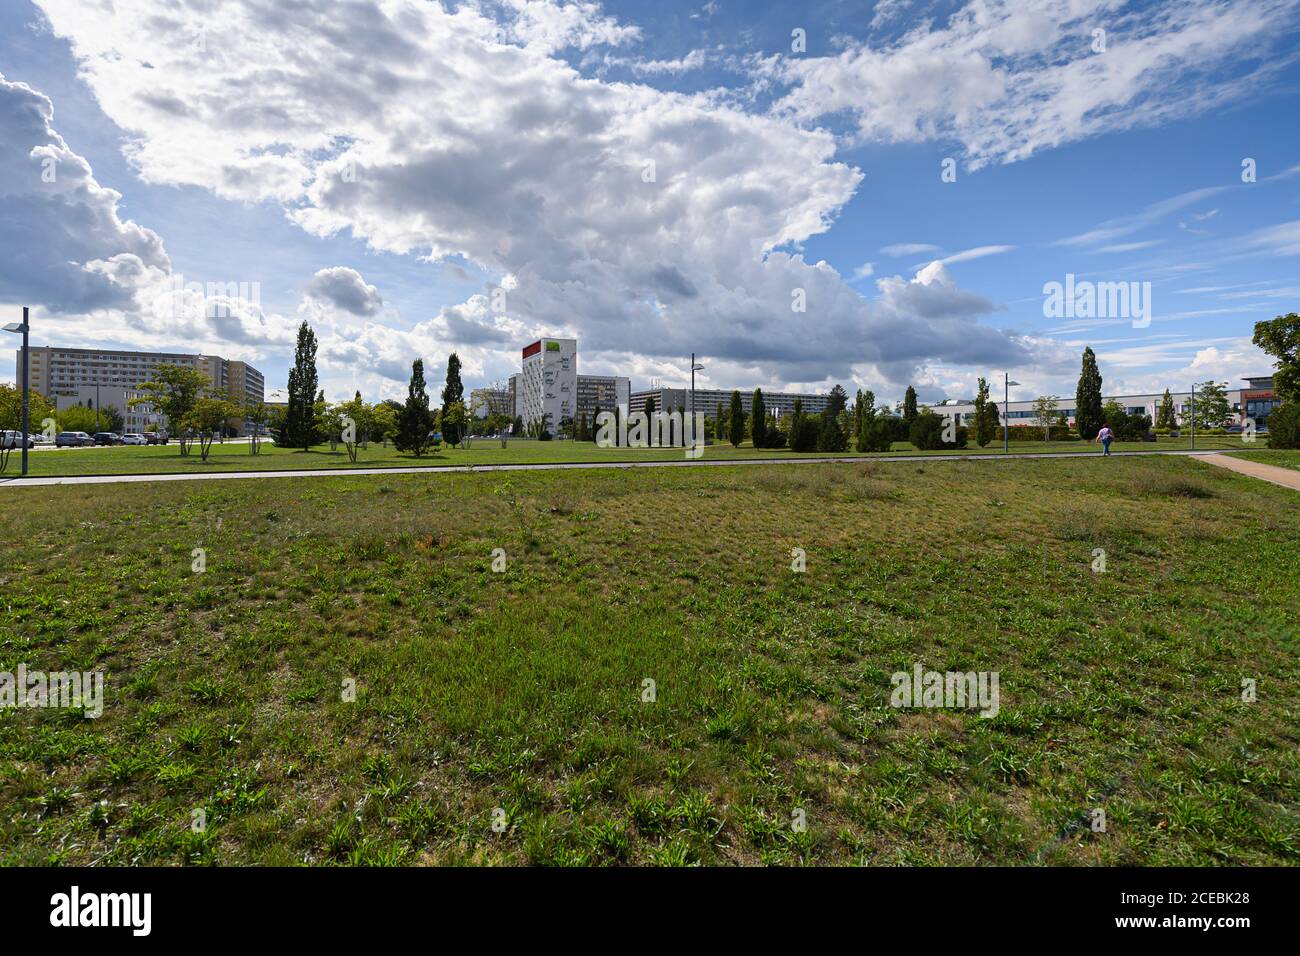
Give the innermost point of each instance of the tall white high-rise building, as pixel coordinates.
(548, 384)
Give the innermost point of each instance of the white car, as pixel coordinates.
(132, 439)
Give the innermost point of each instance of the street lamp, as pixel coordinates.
(694, 368)
(24, 328)
(1006, 394)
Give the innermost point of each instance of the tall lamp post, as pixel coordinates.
(24, 327)
(1006, 395)
(694, 368)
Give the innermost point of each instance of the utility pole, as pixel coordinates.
(1193, 416)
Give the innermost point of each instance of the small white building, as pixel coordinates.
(137, 418)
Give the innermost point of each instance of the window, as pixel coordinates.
(1259, 409)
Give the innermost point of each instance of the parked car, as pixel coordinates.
(133, 439)
(107, 438)
(40, 439)
(14, 439)
(155, 438)
(73, 439)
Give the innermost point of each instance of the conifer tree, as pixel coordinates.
(1087, 398)
(758, 413)
(415, 420)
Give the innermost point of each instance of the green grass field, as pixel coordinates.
(235, 456)
(517, 697)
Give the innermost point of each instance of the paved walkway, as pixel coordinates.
(1286, 477)
(558, 466)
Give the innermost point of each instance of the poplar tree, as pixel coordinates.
(759, 412)
(1088, 414)
(299, 428)
(986, 415)
(452, 393)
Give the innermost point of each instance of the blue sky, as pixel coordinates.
(491, 142)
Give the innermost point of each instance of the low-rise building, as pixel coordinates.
(1254, 402)
(707, 400)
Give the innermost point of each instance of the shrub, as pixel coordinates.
(831, 437)
(927, 431)
(1035, 433)
(774, 437)
(1284, 426)
(804, 434)
(879, 434)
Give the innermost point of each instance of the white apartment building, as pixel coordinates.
(548, 385)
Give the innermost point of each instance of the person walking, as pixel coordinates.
(1105, 436)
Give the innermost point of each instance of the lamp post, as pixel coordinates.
(1006, 395)
(24, 327)
(694, 368)
(1193, 416)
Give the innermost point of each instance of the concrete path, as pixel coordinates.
(557, 466)
(1286, 477)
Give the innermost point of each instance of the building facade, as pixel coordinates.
(1253, 402)
(1258, 400)
(63, 372)
(548, 384)
(604, 392)
(707, 401)
(68, 376)
(136, 418)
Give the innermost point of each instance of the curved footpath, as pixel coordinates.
(1286, 477)
(1282, 476)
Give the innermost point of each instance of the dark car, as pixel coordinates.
(73, 439)
(154, 438)
(107, 438)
